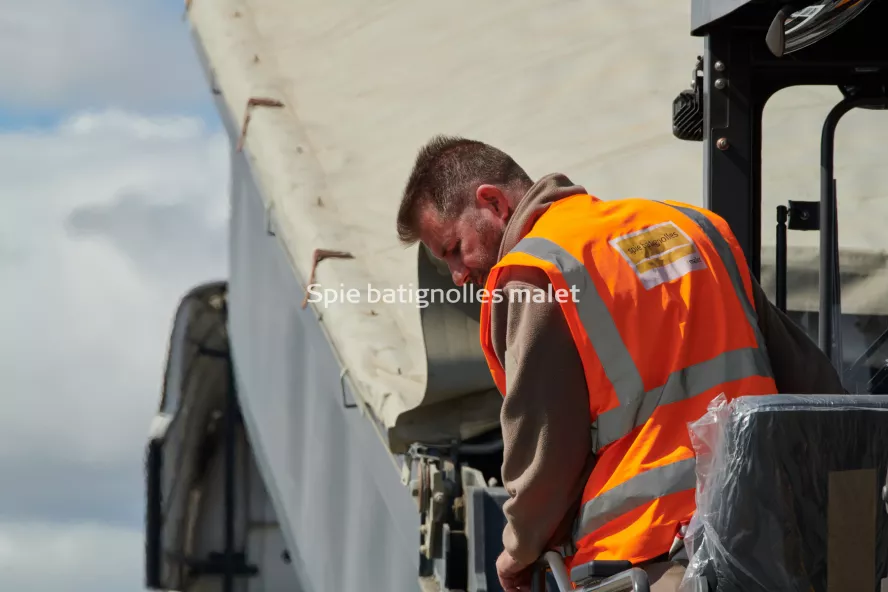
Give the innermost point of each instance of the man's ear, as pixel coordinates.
(492, 198)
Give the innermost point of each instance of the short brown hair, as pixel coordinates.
(446, 172)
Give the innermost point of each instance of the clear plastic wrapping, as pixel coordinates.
(765, 519)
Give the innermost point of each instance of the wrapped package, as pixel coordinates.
(789, 495)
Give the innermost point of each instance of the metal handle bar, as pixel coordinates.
(631, 580)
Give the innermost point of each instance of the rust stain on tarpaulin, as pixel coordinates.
(254, 102)
(318, 256)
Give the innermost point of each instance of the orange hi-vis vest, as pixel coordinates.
(658, 298)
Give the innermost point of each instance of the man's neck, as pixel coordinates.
(534, 204)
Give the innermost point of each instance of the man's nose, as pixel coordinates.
(460, 276)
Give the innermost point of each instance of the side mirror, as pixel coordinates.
(794, 29)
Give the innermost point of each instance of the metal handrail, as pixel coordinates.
(631, 580)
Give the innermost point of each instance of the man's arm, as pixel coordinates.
(545, 418)
(799, 366)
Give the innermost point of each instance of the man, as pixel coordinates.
(648, 313)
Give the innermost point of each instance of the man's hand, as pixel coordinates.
(513, 576)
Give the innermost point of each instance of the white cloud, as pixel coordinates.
(105, 222)
(41, 557)
(60, 53)
(115, 123)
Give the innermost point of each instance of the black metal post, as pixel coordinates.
(230, 442)
(154, 515)
(732, 139)
(829, 330)
(781, 257)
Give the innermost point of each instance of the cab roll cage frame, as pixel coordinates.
(733, 80)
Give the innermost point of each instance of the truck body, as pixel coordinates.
(345, 437)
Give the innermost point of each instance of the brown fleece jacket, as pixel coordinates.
(545, 414)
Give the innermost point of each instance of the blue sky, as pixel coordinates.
(97, 54)
(113, 203)
(13, 119)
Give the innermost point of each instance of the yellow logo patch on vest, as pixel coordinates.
(659, 253)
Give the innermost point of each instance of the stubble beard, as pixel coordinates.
(491, 239)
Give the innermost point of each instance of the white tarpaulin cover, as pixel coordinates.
(582, 88)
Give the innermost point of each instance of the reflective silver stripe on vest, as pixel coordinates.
(681, 384)
(594, 316)
(634, 493)
(730, 262)
(636, 404)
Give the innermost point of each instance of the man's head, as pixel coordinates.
(458, 200)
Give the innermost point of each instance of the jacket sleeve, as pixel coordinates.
(545, 417)
(799, 367)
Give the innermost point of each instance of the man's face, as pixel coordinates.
(470, 243)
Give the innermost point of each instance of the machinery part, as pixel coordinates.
(852, 59)
(598, 570)
(462, 448)
(232, 420)
(803, 215)
(798, 215)
(885, 492)
(594, 576)
(792, 31)
(442, 486)
(780, 264)
(829, 330)
(633, 580)
(687, 108)
(154, 514)
(878, 380)
(871, 88)
(433, 492)
(865, 357)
